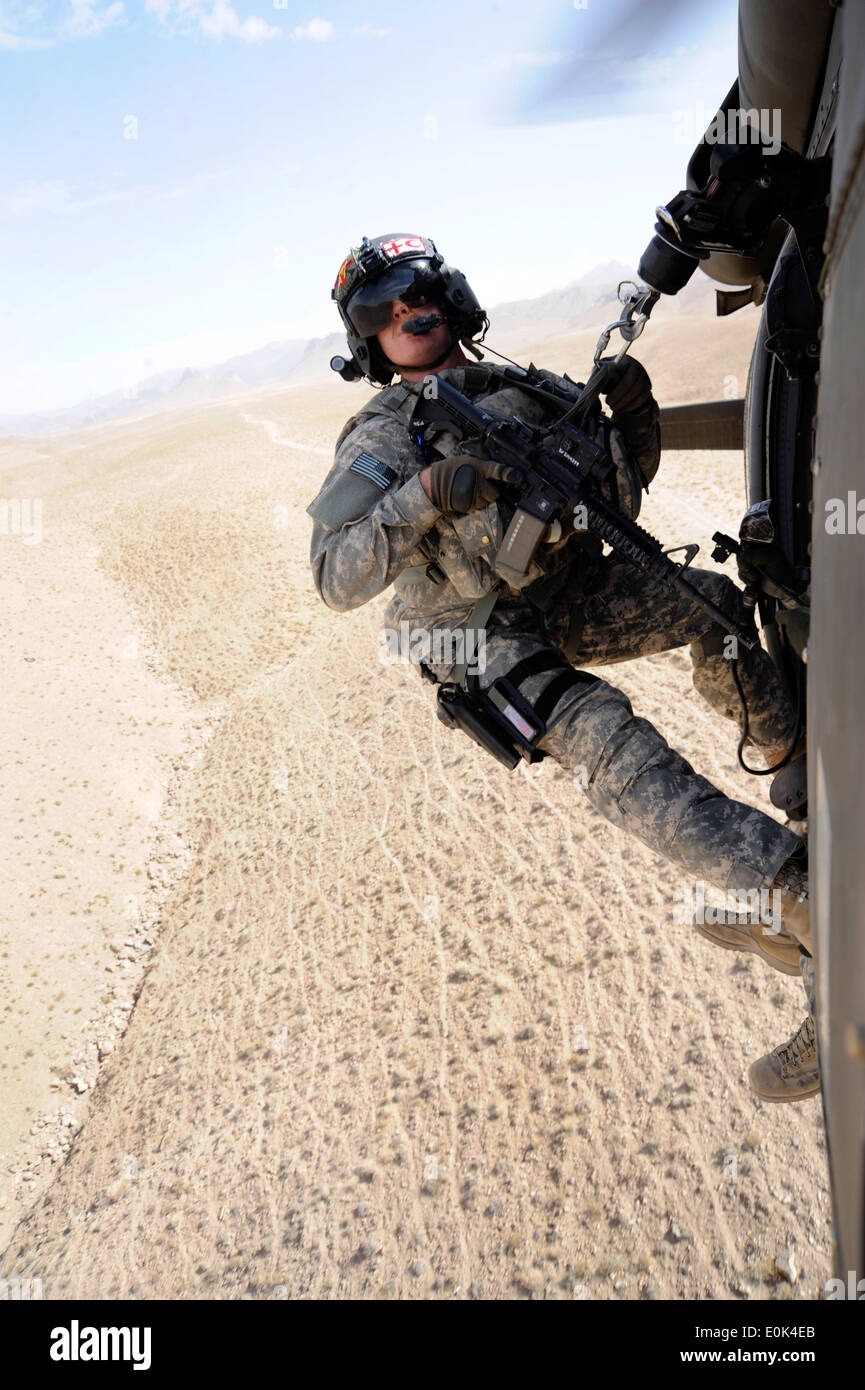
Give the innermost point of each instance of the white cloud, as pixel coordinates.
(55, 198)
(35, 197)
(78, 18)
(19, 26)
(223, 21)
(16, 41)
(85, 19)
(217, 19)
(319, 30)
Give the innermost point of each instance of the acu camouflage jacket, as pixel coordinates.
(375, 526)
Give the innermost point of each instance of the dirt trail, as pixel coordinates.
(414, 1026)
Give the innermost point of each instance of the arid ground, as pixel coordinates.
(303, 995)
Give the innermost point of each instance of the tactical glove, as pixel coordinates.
(463, 484)
(635, 414)
(628, 387)
(628, 484)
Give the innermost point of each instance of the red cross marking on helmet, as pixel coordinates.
(399, 245)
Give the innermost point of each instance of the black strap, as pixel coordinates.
(479, 375)
(533, 665)
(476, 622)
(559, 686)
(547, 660)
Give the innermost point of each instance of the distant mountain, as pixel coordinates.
(315, 362)
(587, 302)
(562, 308)
(164, 390)
(610, 273)
(590, 302)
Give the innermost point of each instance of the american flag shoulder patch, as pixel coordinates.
(377, 472)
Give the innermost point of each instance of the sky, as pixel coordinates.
(181, 179)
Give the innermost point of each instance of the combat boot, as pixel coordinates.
(796, 919)
(790, 1071)
(777, 949)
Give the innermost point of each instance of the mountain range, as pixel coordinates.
(582, 303)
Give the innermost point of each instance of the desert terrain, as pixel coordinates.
(303, 995)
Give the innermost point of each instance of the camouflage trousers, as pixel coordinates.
(628, 770)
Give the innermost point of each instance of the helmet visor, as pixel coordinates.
(370, 309)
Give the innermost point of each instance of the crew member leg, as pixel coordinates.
(633, 777)
(632, 615)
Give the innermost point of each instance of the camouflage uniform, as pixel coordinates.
(374, 526)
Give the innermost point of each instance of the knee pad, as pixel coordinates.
(712, 643)
(565, 679)
(500, 717)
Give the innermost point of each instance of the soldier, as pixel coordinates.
(416, 513)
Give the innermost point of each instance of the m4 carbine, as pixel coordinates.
(555, 472)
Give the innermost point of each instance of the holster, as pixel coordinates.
(499, 720)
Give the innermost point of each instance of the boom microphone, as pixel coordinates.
(424, 324)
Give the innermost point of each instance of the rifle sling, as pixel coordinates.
(477, 621)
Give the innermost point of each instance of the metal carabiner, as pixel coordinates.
(637, 307)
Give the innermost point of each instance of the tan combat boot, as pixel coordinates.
(776, 949)
(790, 1071)
(779, 949)
(796, 917)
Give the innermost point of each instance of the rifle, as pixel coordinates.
(556, 472)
